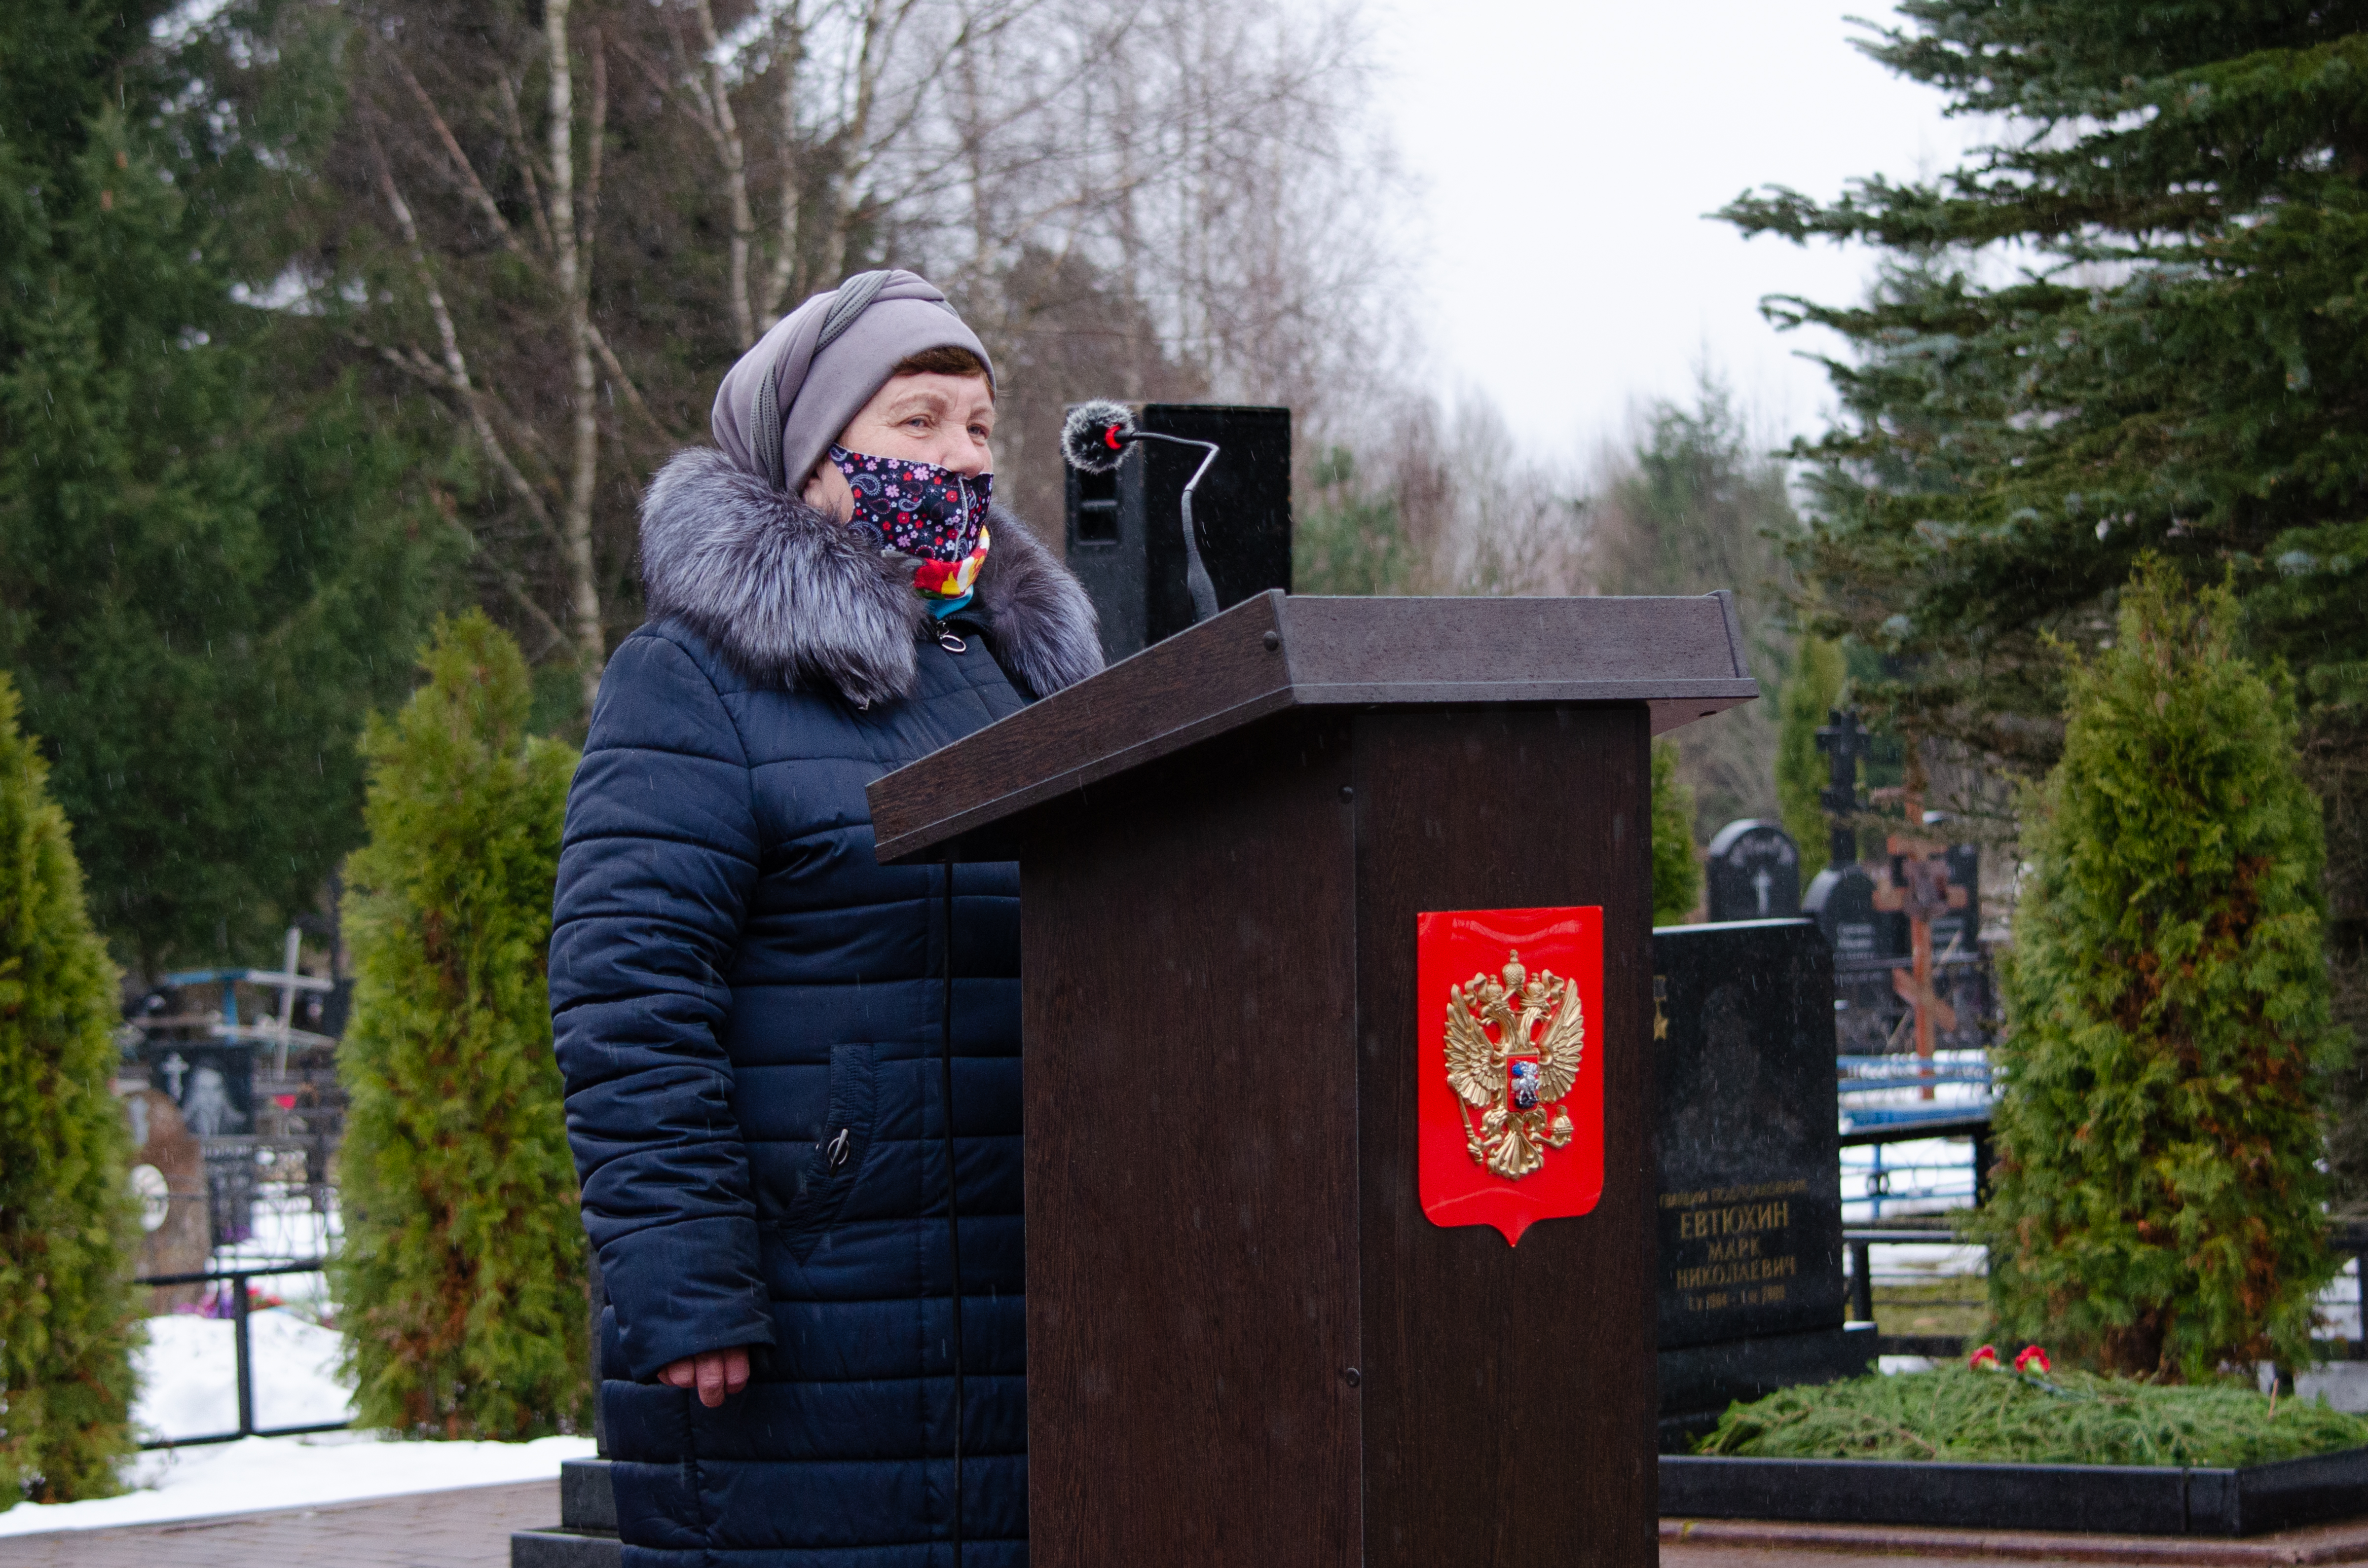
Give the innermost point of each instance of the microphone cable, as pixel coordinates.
(1094, 439)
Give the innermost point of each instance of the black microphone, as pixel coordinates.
(1094, 439)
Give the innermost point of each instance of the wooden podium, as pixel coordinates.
(1245, 1342)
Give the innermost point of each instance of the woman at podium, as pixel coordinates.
(793, 1074)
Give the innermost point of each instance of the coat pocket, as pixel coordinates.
(837, 1160)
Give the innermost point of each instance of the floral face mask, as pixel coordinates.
(932, 515)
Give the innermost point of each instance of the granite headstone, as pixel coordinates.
(1868, 943)
(1841, 901)
(211, 1084)
(1755, 873)
(1752, 1296)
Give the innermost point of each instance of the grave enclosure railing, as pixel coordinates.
(1882, 1125)
(2348, 1239)
(1862, 1241)
(235, 1282)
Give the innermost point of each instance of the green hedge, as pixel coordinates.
(1677, 875)
(2156, 1206)
(68, 1234)
(460, 1286)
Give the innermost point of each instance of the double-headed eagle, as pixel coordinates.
(1514, 1078)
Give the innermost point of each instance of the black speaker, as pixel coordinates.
(1125, 530)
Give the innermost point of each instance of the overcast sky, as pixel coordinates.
(1565, 152)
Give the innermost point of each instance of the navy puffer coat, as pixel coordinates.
(749, 1011)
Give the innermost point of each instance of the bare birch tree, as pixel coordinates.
(562, 225)
(546, 451)
(571, 227)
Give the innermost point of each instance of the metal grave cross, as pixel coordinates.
(1919, 887)
(1844, 741)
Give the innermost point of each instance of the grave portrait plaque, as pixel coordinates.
(1749, 1206)
(1755, 873)
(168, 1175)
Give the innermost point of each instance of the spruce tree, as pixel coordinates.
(460, 1288)
(1694, 508)
(213, 559)
(1677, 875)
(2157, 1200)
(2133, 323)
(68, 1238)
(1810, 693)
(2168, 361)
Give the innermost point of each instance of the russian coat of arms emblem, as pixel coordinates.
(1510, 1094)
(1513, 1050)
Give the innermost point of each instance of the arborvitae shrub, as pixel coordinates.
(68, 1234)
(1809, 694)
(1677, 875)
(2156, 1204)
(461, 1288)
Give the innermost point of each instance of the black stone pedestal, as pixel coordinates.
(587, 1536)
(1699, 1381)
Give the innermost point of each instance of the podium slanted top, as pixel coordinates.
(1680, 657)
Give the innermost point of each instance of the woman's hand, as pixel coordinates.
(714, 1373)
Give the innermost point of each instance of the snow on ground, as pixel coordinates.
(188, 1388)
(286, 1224)
(1914, 1178)
(258, 1473)
(1922, 1263)
(189, 1375)
(2338, 1307)
(2343, 1384)
(189, 1383)
(287, 1227)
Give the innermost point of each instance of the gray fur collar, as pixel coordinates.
(793, 599)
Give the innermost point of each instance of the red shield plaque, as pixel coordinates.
(1509, 1065)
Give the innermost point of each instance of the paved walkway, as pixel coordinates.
(2073, 1556)
(468, 1529)
(1738, 1557)
(1744, 1543)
